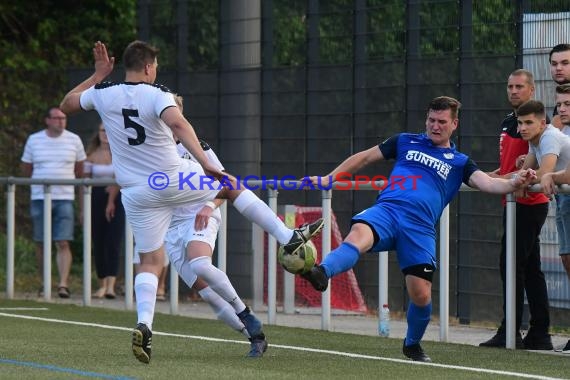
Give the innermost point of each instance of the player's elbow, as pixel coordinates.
(70, 104)
(65, 107)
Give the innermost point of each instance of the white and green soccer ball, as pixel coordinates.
(300, 262)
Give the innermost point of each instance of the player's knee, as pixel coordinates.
(421, 299)
(418, 284)
(361, 236)
(201, 265)
(420, 295)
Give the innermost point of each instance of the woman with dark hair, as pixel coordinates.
(107, 215)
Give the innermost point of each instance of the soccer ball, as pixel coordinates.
(302, 261)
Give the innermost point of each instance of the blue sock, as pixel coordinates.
(340, 259)
(418, 319)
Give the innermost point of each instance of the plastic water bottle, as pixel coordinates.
(384, 321)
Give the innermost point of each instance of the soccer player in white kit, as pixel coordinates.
(189, 243)
(140, 118)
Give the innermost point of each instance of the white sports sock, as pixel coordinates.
(145, 290)
(257, 211)
(217, 280)
(223, 310)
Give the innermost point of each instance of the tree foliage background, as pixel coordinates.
(37, 47)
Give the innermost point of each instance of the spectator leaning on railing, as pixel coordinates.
(549, 180)
(531, 214)
(54, 153)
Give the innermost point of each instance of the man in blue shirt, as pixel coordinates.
(429, 172)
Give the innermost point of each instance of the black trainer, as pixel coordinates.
(317, 277)
(537, 341)
(499, 340)
(252, 324)
(254, 328)
(142, 338)
(415, 352)
(258, 347)
(303, 234)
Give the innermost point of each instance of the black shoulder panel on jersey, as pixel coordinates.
(162, 87)
(204, 145)
(101, 85)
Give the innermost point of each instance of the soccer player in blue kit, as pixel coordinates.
(427, 175)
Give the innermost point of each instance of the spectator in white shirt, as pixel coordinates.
(54, 153)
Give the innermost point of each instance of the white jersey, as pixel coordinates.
(182, 214)
(141, 143)
(55, 158)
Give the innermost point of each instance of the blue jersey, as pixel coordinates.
(425, 178)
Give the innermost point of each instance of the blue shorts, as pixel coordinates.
(396, 228)
(62, 219)
(563, 223)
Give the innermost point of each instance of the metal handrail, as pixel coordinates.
(326, 197)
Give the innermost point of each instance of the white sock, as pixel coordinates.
(257, 211)
(223, 310)
(145, 290)
(218, 281)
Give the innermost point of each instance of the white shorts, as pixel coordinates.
(178, 237)
(149, 211)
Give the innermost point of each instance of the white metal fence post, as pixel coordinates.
(272, 265)
(382, 279)
(289, 278)
(510, 272)
(128, 265)
(87, 245)
(257, 237)
(326, 248)
(223, 238)
(444, 275)
(173, 289)
(47, 242)
(10, 239)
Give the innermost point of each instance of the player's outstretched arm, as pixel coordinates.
(187, 136)
(103, 67)
(351, 165)
(484, 182)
